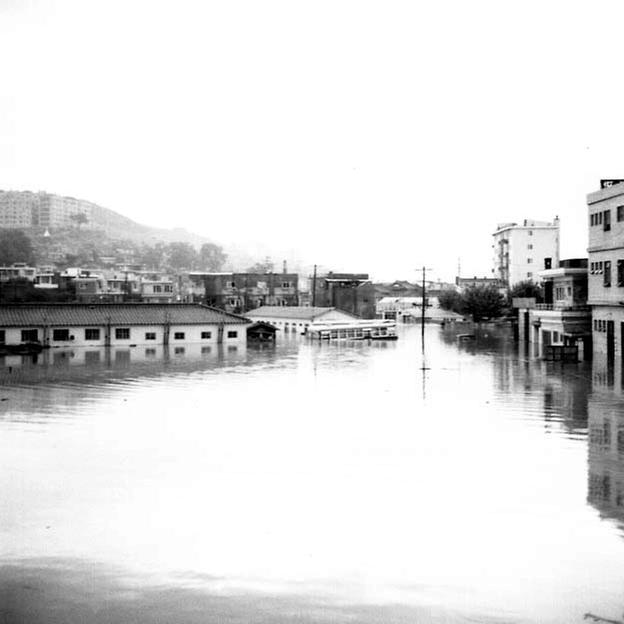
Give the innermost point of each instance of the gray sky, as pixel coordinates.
(368, 136)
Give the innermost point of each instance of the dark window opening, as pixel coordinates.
(30, 335)
(60, 334)
(122, 333)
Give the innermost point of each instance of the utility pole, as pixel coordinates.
(422, 316)
(314, 287)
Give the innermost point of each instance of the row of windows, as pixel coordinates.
(604, 218)
(604, 268)
(121, 333)
(600, 325)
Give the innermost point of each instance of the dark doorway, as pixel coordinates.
(610, 342)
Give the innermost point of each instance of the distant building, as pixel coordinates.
(18, 271)
(521, 251)
(25, 209)
(100, 325)
(606, 269)
(297, 318)
(472, 282)
(241, 292)
(350, 292)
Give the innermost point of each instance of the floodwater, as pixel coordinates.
(311, 483)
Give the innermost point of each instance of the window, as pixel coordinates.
(150, 335)
(150, 352)
(607, 273)
(60, 334)
(157, 288)
(122, 333)
(2, 336)
(529, 260)
(530, 232)
(232, 334)
(285, 284)
(529, 246)
(529, 274)
(178, 336)
(607, 220)
(620, 213)
(206, 335)
(92, 334)
(167, 288)
(31, 335)
(620, 272)
(231, 284)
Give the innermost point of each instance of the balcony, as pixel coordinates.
(560, 307)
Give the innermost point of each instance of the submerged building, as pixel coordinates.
(606, 269)
(118, 324)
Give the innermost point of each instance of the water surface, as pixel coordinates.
(311, 483)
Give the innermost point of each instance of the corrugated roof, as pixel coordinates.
(298, 312)
(73, 314)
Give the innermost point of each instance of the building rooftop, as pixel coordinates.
(299, 312)
(75, 314)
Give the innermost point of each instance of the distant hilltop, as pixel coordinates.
(46, 211)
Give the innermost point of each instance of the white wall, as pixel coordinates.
(192, 334)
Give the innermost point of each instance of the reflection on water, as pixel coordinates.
(311, 482)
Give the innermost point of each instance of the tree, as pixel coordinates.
(527, 288)
(15, 246)
(261, 267)
(212, 257)
(482, 302)
(451, 300)
(79, 218)
(182, 255)
(152, 256)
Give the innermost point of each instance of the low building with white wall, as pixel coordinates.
(126, 324)
(297, 318)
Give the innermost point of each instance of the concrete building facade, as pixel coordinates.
(241, 292)
(606, 270)
(350, 292)
(522, 250)
(564, 319)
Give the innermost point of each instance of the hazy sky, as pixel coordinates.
(366, 136)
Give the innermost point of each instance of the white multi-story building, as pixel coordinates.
(606, 269)
(522, 250)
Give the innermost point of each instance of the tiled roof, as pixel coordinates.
(298, 312)
(75, 314)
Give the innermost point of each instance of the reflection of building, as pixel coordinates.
(350, 292)
(606, 269)
(520, 251)
(239, 292)
(606, 458)
(131, 324)
(564, 318)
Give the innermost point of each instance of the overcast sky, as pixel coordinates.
(367, 136)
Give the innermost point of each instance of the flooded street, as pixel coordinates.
(311, 483)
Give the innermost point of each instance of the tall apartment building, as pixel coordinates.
(522, 250)
(606, 269)
(23, 209)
